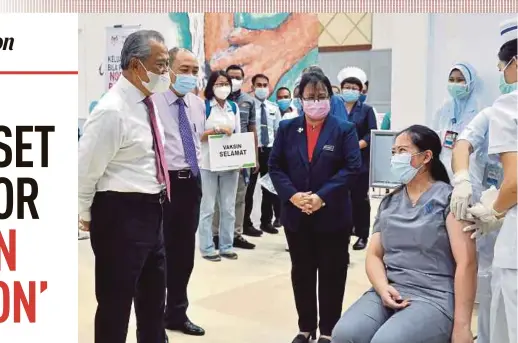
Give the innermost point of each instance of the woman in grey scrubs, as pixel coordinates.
(419, 261)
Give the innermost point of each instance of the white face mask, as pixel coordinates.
(221, 92)
(158, 83)
(236, 85)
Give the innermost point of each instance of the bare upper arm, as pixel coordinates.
(508, 160)
(375, 248)
(462, 246)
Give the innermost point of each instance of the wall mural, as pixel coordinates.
(279, 45)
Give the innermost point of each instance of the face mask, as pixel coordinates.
(350, 95)
(221, 92)
(458, 90)
(284, 104)
(261, 93)
(236, 85)
(298, 104)
(185, 83)
(158, 83)
(402, 169)
(362, 97)
(506, 88)
(317, 110)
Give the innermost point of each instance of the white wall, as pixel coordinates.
(92, 43)
(382, 30)
(424, 47)
(471, 38)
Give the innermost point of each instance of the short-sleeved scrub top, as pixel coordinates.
(418, 257)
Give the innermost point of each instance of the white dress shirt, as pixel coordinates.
(116, 149)
(273, 117)
(503, 124)
(222, 117)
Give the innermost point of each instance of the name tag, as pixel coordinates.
(329, 148)
(493, 175)
(450, 137)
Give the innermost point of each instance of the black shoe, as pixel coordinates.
(360, 244)
(323, 340)
(277, 223)
(269, 228)
(241, 242)
(229, 255)
(212, 258)
(250, 230)
(300, 338)
(187, 328)
(215, 239)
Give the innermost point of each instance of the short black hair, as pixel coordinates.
(235, 67)
(352, 80)
(367, 84)
(259, 76)
(313, 78)
(508, 51)
(174, 51)
(283, 88)
(313, 69)
(209, 92)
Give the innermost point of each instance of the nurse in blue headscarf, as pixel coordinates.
(457, 112)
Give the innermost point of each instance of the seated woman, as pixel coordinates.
(419, 261)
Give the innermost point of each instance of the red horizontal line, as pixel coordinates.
(33, 72)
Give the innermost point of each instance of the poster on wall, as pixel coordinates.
(115, 37)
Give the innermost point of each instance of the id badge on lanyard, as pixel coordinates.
(450, 137)
(493, 175)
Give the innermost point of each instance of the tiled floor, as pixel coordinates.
(249, 300)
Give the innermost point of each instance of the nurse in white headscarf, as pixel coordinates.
(458, 111)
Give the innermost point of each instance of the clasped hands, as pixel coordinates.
(307, 202)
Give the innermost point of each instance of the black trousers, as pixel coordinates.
(361, 206)
(322, 254)
(270, 203)
(127, 241)
(181, 216)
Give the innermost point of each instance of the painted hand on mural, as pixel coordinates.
(218, 27)
(270, 52)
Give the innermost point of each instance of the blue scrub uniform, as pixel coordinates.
(419, 264)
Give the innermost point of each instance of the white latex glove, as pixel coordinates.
(484, 215)
(461, 195)
(488, 197)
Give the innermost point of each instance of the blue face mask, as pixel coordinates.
(506, 88)
(458, 90)
(284, 104)
(350, 95)
(185, 83)
(362, 97)
(402, 169)
(261, 93)
(298, 104)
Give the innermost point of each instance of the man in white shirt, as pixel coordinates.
(268, 117)
(122, 185)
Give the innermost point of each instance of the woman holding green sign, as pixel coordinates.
(222, 118)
